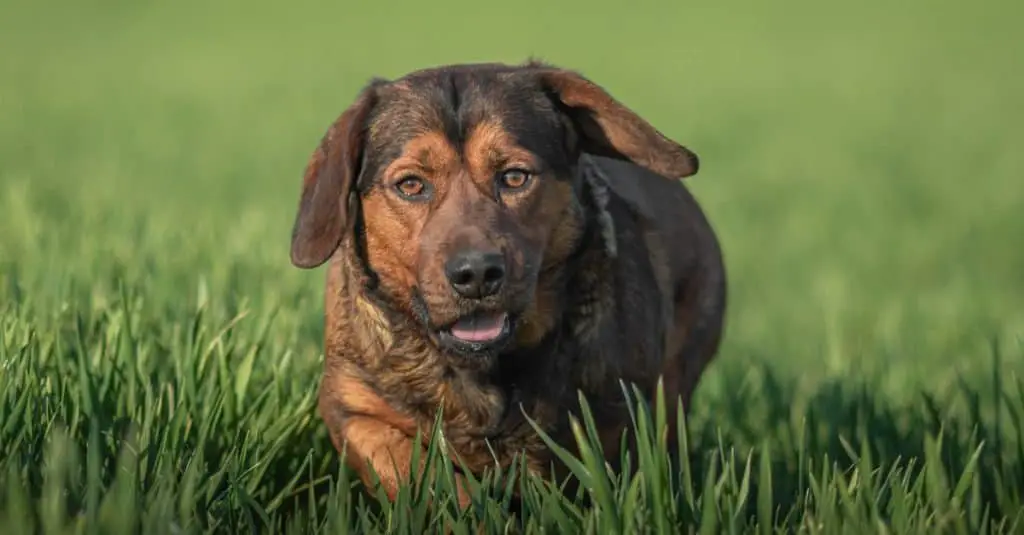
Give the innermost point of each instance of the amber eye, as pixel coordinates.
(514, 178)
(412, 187)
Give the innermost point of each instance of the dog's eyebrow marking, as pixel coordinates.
(430, 152)
(424, 156)
(490, 147)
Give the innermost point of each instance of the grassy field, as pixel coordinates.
(862, 164)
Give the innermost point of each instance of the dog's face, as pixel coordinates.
(466, 196)
(467, 192)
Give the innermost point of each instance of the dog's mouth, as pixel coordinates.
(479, 331)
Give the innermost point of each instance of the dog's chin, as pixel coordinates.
(477, 336)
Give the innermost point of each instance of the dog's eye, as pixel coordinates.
(514, 178)
(412, 187)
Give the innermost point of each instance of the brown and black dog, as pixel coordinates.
(499, 239)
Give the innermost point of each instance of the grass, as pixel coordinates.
(159, 357)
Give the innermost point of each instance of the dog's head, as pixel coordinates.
(463, 181)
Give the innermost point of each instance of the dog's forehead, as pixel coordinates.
(453, 100)
(463, 94)
(481, 73)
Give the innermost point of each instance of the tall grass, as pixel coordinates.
(113, 423)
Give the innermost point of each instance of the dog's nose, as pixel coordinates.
(476, 274)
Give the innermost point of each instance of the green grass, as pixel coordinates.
(159, 356)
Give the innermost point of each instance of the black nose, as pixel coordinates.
(476, 274)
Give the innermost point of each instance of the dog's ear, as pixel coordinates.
(322, 218)
(608, 128)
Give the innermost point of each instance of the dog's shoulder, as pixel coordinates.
(675, 230)
(653, 197)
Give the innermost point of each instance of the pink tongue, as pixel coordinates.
(479, 328)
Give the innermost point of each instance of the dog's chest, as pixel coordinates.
(483, 432)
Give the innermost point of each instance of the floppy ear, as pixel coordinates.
(608, 128)
(323, 208)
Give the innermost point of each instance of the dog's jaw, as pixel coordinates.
(478, 351)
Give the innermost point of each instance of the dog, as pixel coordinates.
(498, 239)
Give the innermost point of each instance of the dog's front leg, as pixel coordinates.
(369, 441)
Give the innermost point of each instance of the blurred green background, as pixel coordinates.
(861, 162)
